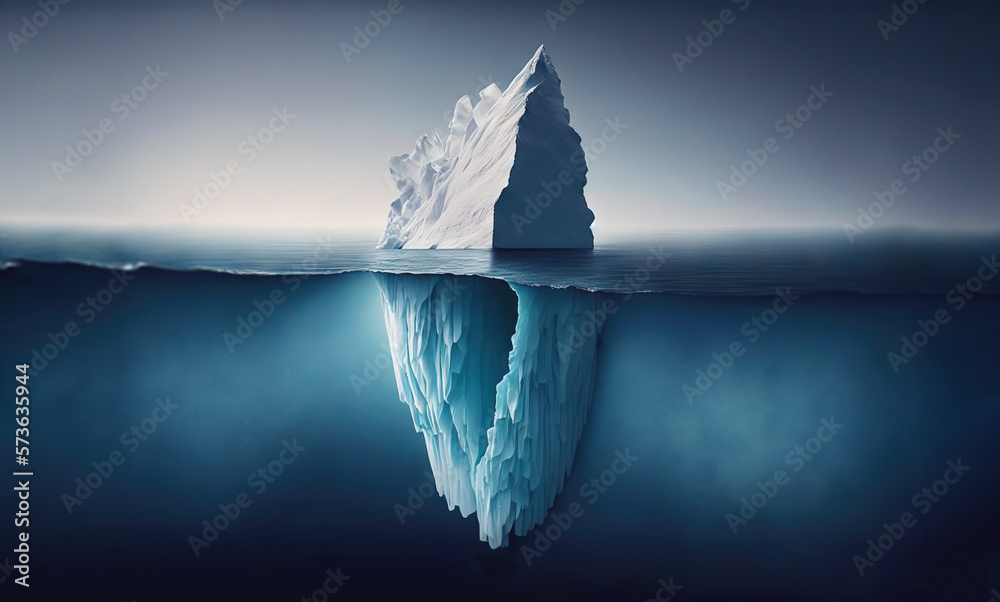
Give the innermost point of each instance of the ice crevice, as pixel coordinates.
(499, 381)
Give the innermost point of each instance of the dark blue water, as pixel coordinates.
(727, 263)
(296, 378)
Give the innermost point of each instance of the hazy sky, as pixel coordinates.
(327, 165)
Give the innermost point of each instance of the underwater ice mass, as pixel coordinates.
(498, 376)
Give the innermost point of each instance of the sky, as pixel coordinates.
(695, 98)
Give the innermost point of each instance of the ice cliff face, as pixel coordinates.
(510, 174)
(499, 380)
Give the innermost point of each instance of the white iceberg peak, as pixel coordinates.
(510, 174)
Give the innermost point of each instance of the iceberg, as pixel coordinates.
(509, 175)
(499, 379)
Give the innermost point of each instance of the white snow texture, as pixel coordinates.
(501, 405)
(510, 175)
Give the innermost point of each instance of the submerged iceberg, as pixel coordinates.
(510, 174)
(499, 378)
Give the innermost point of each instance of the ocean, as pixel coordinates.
(846, 452)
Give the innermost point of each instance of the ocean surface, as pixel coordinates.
(719, 263)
